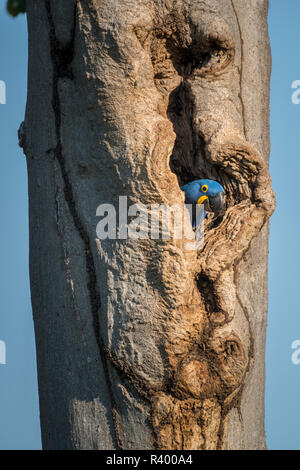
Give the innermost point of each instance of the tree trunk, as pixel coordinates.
(146, 343)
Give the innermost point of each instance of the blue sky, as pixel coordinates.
(19, 415)
(283, 377)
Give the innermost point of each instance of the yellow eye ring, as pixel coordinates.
(204, 188)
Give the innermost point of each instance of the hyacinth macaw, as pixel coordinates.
(207, 192)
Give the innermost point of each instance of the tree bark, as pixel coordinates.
(145, 344)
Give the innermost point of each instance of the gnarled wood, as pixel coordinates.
(144, 343)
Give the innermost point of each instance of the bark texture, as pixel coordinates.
(143, 344)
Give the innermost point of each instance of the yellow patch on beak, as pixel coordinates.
(201, 199)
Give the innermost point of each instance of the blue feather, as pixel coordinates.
(195, 189)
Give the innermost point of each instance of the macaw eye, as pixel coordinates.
(204, 188)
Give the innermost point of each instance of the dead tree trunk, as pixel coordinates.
(145, 344)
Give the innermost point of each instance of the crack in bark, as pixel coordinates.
(62, 68)
(241, 69)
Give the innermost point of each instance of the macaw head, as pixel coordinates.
(207, 192)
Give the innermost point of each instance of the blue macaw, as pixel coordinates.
(202, 192)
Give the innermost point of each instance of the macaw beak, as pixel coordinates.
(201, 200)
(217, 202)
